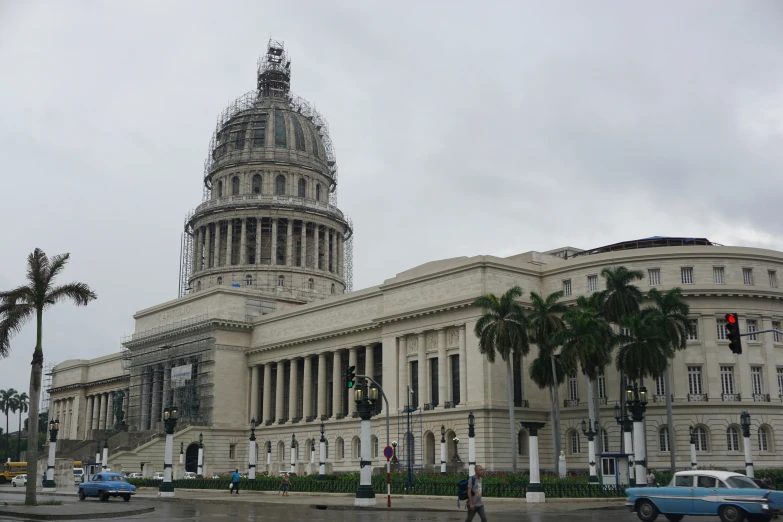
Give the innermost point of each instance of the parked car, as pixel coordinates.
(729, 495)
(189, 475)
(158, 475)
(104, 485)
(135, 474)
(78, 476)
(19, 481)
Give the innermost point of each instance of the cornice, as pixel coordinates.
(89, 384)
(208, 324)
(480, 263)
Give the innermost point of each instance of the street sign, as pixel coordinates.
(388, 452)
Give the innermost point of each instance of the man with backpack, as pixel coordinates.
(475, 501)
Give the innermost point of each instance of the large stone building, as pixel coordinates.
(266, 330)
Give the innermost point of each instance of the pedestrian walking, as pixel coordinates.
(650, 479)
(234, 482)
(475, 500)
(284, 484)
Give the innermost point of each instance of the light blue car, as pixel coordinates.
(733, 497)
(104, 485)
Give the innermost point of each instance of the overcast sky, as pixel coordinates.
(460, 128)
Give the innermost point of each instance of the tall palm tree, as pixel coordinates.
(6, 404)
(596, 302)
(621, 297)
(24, 303)
(22, 405)
(502, 330)
(545, 320)
(644, 349)
(670, 313)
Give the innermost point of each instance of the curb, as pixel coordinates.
(76, 516)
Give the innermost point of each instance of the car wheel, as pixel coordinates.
(731, 514)
(674, 518)
(126, 498)
(82, 496)
(13, 484)
(103, 496)
(646, 511)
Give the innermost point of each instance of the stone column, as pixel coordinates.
(88, 423)
(443, 388)
(267, 413)
(352, 358)
(109, 410)
(254, 392)
(307, 389)
(258, 241)
(369, 361)
(403, 369)
(328, 256)
(303, 246)
(194, 262)
(207, 245)
(338, 253)
(628, 444)
(337, 385)
(229, 232)
(274, 243)
(289, 242)
(96, 412)
(463, 367)
(145, 399)
(102, 411)
(216, 258)
(156, 412)
(293, 390)
(535, 490)
(421, 393)
(243, 243)
(321, 385)
(279, 406)
(167, 377)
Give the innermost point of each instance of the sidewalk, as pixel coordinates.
(75, 511)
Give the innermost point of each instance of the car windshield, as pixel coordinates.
(739, 481)
(115, 478)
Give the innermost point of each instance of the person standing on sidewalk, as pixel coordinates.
(475, 501)
(284, 484)
(234, 482)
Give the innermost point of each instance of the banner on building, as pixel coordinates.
(180, 375)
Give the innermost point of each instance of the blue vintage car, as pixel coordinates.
(731, 496)
(104, 485)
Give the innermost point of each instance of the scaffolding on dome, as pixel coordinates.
(348, 258)
(185, 258)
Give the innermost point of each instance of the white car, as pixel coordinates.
(135, 474)
(19, 481)
(189, 475)
(158, 475)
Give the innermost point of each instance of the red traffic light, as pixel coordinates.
(731, 318)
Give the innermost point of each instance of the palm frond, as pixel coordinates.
(56, 265)
(79, 293)
(11, 323)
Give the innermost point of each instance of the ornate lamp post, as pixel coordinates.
(268, 456)
(181, 452)
(456, 458)
(535, 490)
(105, 459)
(621, 416)
(322, 457)
(365, 404)
(97, 455)
(200, 468)
(49, 485)
(471, 444)
(293, 453)
(251, 474)
(394, 453)
(590, 432)
(442, 449)
(693, 447)
(312, 455)
(170, 416)
(745, 425)
(636, 399)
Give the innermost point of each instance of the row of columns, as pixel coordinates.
(100, 411)
(63, 410)
(155, 394)
(207, 240)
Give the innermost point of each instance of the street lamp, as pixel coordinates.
(471, 444)
(322, 455)
(251, 474)
(442, 449)
(692, 434)
(745, 425)
(181, 452)
(200, 468)
(105, 459)
(636, 399)
(456, 458)
(394, 452)
(621, 416)
(590, 431)
(293, 453)
(365, 399)
(170, 416)
(54, 427)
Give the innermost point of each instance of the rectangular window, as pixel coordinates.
(752, 326)
(280, 135)
(601, 385)
(434, 382)
(517, 380)
(773, 278)
(414, 397)
(727, 379)
(567, 287)
(454, 379)
(654, 275)
(780, 382)
(747, 276)
(592, 283)
(232, 451)
(573, 388)
(660, 386)
(776, 335)
(686, 274)
(756, 380)
(259, 130)
(694, 380)
(693, 330)
(717, 275)
(721, 323)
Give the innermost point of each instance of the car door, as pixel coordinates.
(679, 498)
(707, 494)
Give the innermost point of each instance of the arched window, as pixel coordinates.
(280, 185)
(522, 442)
(220, 189)
(340, 449)
(763, 439)
(310, 284)
(235, 186)
(574, 445)
(301, 186)
(280, 280)
(732, 439)
(248, 280)
(257, 184)
(663, 439)
(374, 441)
(198, 286)
(604, 441)
(333, 291)
(326, 449)
(318, 192)
(358, 449)
(220, 280)
(280, 451)
(700, 434)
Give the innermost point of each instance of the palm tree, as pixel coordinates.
(546, 320)
(644, 349)
(671, 315)
(22, 405)
(502, 330)
(6, 405)
(23, 303)
(621, 297)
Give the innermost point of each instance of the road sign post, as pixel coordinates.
(388, 452)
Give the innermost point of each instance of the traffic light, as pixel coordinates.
(350, 376)
(733, 333)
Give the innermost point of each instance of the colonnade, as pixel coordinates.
(98, 413)
(156, 394)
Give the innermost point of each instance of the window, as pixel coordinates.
(747, 276)
(604, 441)
(315, 145)
(700, 434)
(220, 189)
(318, 192)
(763, 440)
(756, 380)
(340, 449)
(280, 280)
(232, 451)
(660, 386)
(693, 330)
(601, 385)
(310, 284)
(298, 134)
(567, 287)
(727, 379)
(663, 439)
(235, 186)
(732, 439)
(683, 481)
(706, 482)
(694, 380)
(280, 137)
(776, 335)
(573, 388)
(333, 289)
(654, 275)
(574, 439)
(280, 185)
(358, 448)
(721, 323)
(326, 449)
(375, 448)
(521, 442)
(220, 280)
(259, 130)
(686, 274)
(239, 137)
(592, 283)
(248, 280)
(607, 466)
(780, 382)
(752, 327)
(717, 275)
(773, 278)
(301, 186)
(455, 397)
(198, 285)
(257, 184)
(434, 397)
